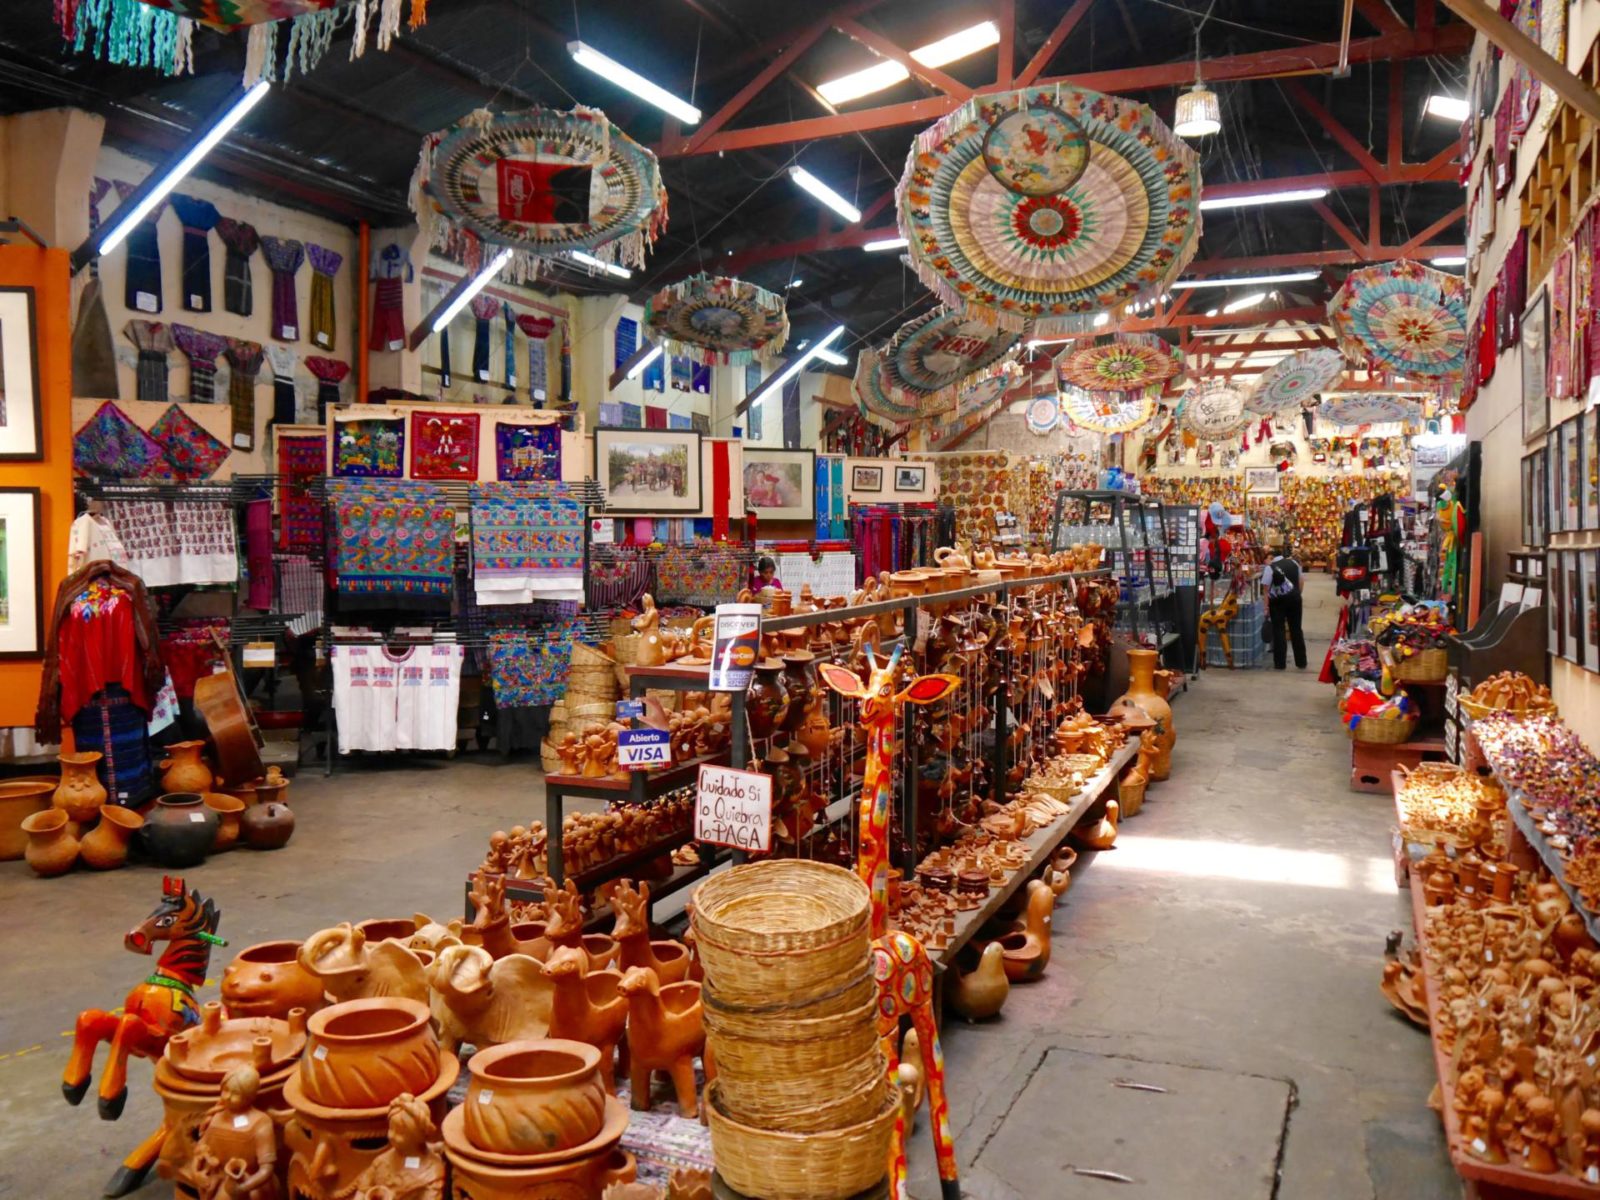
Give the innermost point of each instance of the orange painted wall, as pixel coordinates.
(48, 273)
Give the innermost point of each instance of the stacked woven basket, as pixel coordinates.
(801, 1108)
(591, 697)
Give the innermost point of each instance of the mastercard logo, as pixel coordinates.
(742, 656)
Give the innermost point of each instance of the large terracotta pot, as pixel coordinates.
(52, 848)
(267, 826)
(1142, 693)
(765, 704)
(534, 1097)
(19, 800)
(180, 830)
(186, 769)
(80, 793)
(364, 1053)
(267, 980)
(106, 845)
(228, 810)
(572, 1179)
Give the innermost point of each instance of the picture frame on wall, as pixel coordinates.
(866, 479)
(1263, 480)
(910, 479)
(1541, 500)
(1555, 601)
(20, 431)
(1571, 474)
(21, 574)
(1572, 643)
(1554, 506)
(1532, 501)
(1535, 396)
(781, 485)
(1589, 571)
(1591, 470)
(648, 472)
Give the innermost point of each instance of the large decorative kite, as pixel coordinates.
(716, 320)
(1214, 411)
(1294, 381)
(921, 370)
(1401, 316)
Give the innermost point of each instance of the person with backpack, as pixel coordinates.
(1280, 581)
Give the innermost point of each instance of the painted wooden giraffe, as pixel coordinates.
(900, 965)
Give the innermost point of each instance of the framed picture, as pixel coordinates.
(866, 479)
(19, 377)
(1555, 601)
(21, 574)
(1590, 574)
(648, 472)
(1591, 470)
(1554, 505)
(1533, 500)
(1572, 474)
(910, 479)
(1572, 643)
(781, 485)
(1261, 480)
(1535, 397)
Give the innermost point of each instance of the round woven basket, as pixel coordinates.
(627, 647)
(590, 686)
(550, 759)
(831, 1165)
(812, 1102)
(588, 656)
(1425, 666)
(1478, 711)
(1370, 732)
(586, 712)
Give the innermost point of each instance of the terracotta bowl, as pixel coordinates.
(380, 929)
(453, 1130)
(267, 980)
(207, 1052)
(534, 1097)
(364, 1053)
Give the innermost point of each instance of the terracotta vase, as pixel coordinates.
(228, 810)
(267, 980)
(19, 800)
(186, 769)
(767, 701)
(364, 1053)
(80, 793)
(180, 830)
(800, 685)
(52, 848)
(106, 846)
(814, 733)
(1142, 692)
(268, 791)
(534, 1097)
(267, 826)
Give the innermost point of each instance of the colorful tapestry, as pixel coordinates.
(527, 544)
(610, 415)
(526, 671)
(1558, 359)
(525, 453)
(192, 451)
(392, 539)
(110, 446)
(679, 421)
(300, 460)
(116, 727)
(369, 447)
(632, 416)
(444, 445)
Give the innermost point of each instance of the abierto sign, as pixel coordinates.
(733, 808)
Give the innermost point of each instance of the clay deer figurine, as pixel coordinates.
(665, 1033)
(565, 927)
(491, 926)
(668, 959)
(587, 1007)
(485, 1000)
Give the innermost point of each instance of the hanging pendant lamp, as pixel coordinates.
(1199, 113)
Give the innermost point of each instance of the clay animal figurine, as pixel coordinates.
(351, 968)
(411, 1167)
(237, 1154)
(979, 993)
(1025, 946)
(665, 1033)
(668, 959)
(151, 1013)
(587, 1007)
(486, 1000)
(491, 924)
(654, 648)
(913, 1087)
(1101, 834)
(1220, 618)
(565, 927)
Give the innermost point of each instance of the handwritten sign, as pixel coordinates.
(733, 808)
(642, 749)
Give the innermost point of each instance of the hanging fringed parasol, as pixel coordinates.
(975, 405)
(1120, 362)
(541, 182)
(1369, 409)
(1401, 316)
(1043, 414)
(920, 371)
(719, 321)
(1294, 381)
(1214, 411)
(1049, 205)
(1107, 412)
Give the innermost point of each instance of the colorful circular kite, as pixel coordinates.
(542, 182)
(1119, 362)
(1214, 411)
(920, 371)
(233, 14)
(1119, 233)
(1107, 412)
(1368, 409)
(716, 320)
(1294, 381)
(1402, 316)
(1043, 414)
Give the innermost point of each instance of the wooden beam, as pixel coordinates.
(1006, 63)
(1397, 91)
(1530, 54)
(1439, 226)
(1331, 219)
(884, 48)
(1301, 96)
(1382, 17)
(633, 360)
(1042, 56)
(750, 91)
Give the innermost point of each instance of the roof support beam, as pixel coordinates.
(1006, 64)
(1301, 96)
(749, 92)
(884, 48)
(1530, 54)
(1042, 56)
(1331, 219)
(1439, 226)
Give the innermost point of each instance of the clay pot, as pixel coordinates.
(800, 685)
(381, 929)
(186, 769)
(180, 830)
(534, 1097)
(907, 583)
(246, 792)
(209, 1051)
(1142, 692)
(267, 980)
(80, 793)
(590, 1176)
(269, 790)
(106, 846)
(364, 1053)
(267, 826)
(52, 848)
(766, 704)
(19, 800)
(228, 810)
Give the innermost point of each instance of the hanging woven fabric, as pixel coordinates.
(484, 309)
(239, 243)
(201, 349)
(390, 272)
(325, 265)
(330, 373)
(511, 349)
(285, 408)
(284, 256)
(538, 330)
(566, 366)
(245, 359)
(445, 377)
(142, 288)
(154, 343)
(94, 351)
(199, 218)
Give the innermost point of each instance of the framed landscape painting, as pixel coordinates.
(19, 377)
(648, 472)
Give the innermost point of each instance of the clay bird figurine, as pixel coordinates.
(1059, 873)
(665, 1033)
(981, 992)
(352, 969)
(487, 1001)
(668, 959)
(1101, 834)
(1025, 945)
(587, 1007)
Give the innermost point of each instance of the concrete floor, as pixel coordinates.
(1228, 949)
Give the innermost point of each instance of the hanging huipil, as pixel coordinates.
(484, 309)
(390, 271)
(245, 359)
(239, 243)
(285, 408)
(324, 266)
(142, 288)
(201, 349)
(511, 349)
(154, 343)
(199, 218)
(330, 373)
(538, 330)
(284, 257)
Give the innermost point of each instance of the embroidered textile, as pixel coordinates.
(153, 340)
(239, 243)
(258, 553)
(372, 447)
(201, 349)
(446, 378)
(299, 591)
(193, 452)
(525, 671)
(330, 373)
(511, 345)
(284, 256)
(285, 397)
(300, 460)
(112, 724)
(199, 218)
(325, 265)
(1558, 360)
(190, 653)
(527, 544)
(391, 268)
(245, 359)
(178, 541)
(392, 538)
(444, 445)
(484, 309)
(142, 286)
(538, 330)
(96, 646)
(110, 446)
(524, 453)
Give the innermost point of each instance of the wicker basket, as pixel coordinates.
(588, 712)
(627, 647)
(814, 1101)
(1425, 666)
(1130, 796)
(550, 759)
(788, 930)
(1375, 732)
(800, 1166)
(588, 656)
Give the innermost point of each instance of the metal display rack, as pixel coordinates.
(1122, 525)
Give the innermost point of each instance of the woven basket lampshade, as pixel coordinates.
(1198, 114)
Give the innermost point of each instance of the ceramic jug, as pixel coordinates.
(52, 848)
(1142, 692)
(106, 846)
(180, 830)
(80, 793)
(267, 826)
(185, 770)
(19, 800)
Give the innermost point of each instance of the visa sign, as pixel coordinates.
(643, 749)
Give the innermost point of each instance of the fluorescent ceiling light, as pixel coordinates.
(1211, 312)
(828, 356)
(123, 223)
(1448, 107)
(809, 182)
(887, 72)
(472, 289)
(794, 283)
(773, 383)
(1288, 197)
(1449, 260)
(895, 243)
(631, 81)
(958, 45)
(1102, 319)
(600, 264)
(638, 368)
(1250, 301)
(1286, 277)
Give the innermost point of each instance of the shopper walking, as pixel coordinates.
(1280, 581)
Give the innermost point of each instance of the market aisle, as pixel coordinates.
(1237, 927)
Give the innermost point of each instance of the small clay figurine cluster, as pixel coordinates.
(696, 730)
(654, 646)
(588, 840)
(1442, 800)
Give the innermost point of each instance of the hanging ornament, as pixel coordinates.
(920, 370)
(712, 319)
(1043, 414)
(1294, 381)
(1369, 409)
(1120, 362)
(1107, 412)
(1214, 410)
(1401, 316)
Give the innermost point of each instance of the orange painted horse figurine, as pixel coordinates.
(162, 1005)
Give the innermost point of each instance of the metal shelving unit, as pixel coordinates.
(1122, 524)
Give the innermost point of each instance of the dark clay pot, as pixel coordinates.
(180, 830)
(267, 826)
(767, 700)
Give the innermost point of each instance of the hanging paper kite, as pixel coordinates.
(719, 321)
(1214, 411)
(1401, 316)
(1294, 381)
(920, 371)
(542, 182)
(1043, 414)
(975, 405)
(1368, 409)
(1107, 412)
(1120, 362)
(1049, 205)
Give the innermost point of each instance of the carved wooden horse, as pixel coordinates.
(900, 964)
(1218, 617)
(162, 1005)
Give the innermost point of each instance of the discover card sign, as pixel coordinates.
(733, 808)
